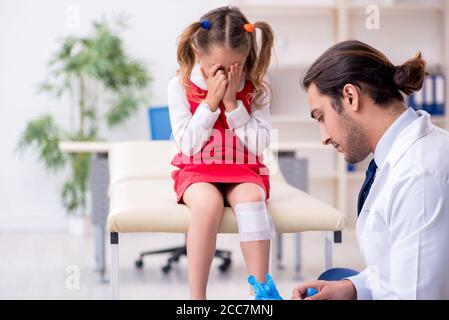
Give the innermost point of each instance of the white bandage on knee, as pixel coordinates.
(253, 221)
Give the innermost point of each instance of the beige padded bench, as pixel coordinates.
(142, 199)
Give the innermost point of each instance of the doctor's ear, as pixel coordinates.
(350, 97)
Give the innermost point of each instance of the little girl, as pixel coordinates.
(220, 116)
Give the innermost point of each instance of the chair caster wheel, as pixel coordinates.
(139, 264)
(225, 265)
(166, 269)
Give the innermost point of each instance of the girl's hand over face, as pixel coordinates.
(216, 81)
(234, 78)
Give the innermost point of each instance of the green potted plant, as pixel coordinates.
(92, 69)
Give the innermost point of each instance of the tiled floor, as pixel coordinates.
(45, 265)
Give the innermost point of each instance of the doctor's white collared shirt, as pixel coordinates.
(403, 228)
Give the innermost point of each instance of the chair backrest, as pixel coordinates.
(159, 121)
(138, 160)
(151, 160)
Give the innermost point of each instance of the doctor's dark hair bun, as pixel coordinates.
(357, 63)
(409, 77)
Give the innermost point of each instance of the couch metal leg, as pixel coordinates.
(114, 266)
(273, 256)
(328, 239)
(279, 251)
(297, 255)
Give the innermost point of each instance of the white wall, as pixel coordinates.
(29, 30)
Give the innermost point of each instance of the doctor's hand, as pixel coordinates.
(327, 290)
(216, 81)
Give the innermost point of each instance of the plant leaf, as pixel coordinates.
(43, 135)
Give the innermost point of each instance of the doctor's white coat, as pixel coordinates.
(403, 228)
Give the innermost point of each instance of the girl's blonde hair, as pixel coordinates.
(226, 27)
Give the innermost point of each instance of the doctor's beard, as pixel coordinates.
(356, 145)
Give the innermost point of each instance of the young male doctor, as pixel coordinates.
(355, 94)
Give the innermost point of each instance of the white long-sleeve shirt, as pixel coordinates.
(192, 132)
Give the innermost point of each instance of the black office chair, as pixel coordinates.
(160, 129)
(177, 252)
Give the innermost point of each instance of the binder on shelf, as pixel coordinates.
(440, 94)
(432, 97)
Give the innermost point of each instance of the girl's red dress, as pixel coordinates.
(223, 159)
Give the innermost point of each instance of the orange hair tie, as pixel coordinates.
(249, 27)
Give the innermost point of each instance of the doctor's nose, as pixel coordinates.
(325, 136)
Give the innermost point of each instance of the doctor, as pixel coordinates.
(355, 94)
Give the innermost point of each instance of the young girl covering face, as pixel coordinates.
(220, 116)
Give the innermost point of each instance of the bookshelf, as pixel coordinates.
(305, 29)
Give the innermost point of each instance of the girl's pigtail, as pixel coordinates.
(262, 63)
(186, 55)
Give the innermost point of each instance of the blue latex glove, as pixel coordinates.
(311, 291)
(265, 290)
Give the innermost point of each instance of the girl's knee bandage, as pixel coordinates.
(254, 222)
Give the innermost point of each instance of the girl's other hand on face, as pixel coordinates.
(234, 78)
(216, 81)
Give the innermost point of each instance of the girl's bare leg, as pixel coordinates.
(206, 206)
